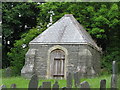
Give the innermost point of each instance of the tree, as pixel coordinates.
(17, 18)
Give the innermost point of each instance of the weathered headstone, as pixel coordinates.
(69, 80)
(33, 82)
(114, 67)
(13, 86)
(3, 87)
(114, 81)
(8, 72)
(103, 84)
(55, 86)
(76, 79)
(84, 86)
(46, 85)
(114, 76)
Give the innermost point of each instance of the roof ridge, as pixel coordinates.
(83, 31)
(74, 22)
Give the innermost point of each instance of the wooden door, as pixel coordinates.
(58, 57)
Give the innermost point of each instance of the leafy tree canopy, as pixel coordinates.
(17, 19)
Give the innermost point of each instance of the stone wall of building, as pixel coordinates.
(81, 58)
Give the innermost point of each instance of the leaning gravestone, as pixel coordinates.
(13, 86)
(69, 80)
(76, 79)
(55, 86)
(84, 86)
(114, 76)
(103, 84)
(33, 82)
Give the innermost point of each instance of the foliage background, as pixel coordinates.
(24, 21)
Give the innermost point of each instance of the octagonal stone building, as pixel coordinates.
(64, 47)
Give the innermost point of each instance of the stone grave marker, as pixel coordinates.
(33, 82)
(114, 81)
(8, 72)
(114, 67)
(55, 86)
(3, 87)
(114, 76)
(84, 86)
(103, 84)
(46, 85)
(69, 80)
(76, 79)
(13, 86)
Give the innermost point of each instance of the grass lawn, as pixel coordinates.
(0, 77)
(118, 84)
(23, 83)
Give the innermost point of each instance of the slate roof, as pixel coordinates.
(67, 30)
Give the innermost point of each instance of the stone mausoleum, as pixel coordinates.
(64, 47)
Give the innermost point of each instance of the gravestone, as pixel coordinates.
(3, 87)
(69, 80)
(114, 76)
(84, 86)
(55, 86)
(114, 67)
(76, 79)
(13, 86)
(103, 84)
(33, 82)
(114, 81)
(8, 72)
(46, 85)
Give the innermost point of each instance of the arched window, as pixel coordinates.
(58, 58)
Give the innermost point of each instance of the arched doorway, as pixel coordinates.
(57, 58)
